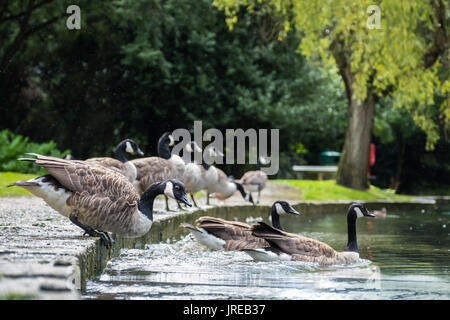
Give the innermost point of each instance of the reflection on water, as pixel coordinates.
(404, 256)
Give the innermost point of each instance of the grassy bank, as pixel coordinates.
(7, 178)
(329, 190)
(311, 189)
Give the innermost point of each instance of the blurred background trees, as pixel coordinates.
(139, 68)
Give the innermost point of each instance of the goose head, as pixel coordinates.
(282, 207)
(165, 142)
(132, 147)
(278, 208)
(263, 160)
(213, 152)
(175, 189)
(167, 139)
(245, 195)
(358, 210)
(193, 147)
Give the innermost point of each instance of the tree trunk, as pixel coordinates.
(354, 161)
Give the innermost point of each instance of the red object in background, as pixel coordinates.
(371, 158)
(372, 155)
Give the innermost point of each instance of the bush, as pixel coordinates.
(14, 146)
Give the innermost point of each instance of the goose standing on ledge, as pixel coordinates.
(196, 176)
(219, 234)
(119, 162)
(96, 199)
(255, 181)
(166, 166)
(288, 246)
(225, 187)
(192, 177)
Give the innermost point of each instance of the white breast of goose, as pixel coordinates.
(131, 171)
(225, 189)
(179, 165)
(192, 178)
(140, 225)
(211, 175)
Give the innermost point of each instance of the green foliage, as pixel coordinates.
(15, 146)
(401, 57)
(7, 178)
(159, 69)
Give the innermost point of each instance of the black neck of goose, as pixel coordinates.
(258, 165)
(241, 189)
(352, 244)
(119, 152)
(164, 150)
(205, 165)
(276, 219)
(145, 204)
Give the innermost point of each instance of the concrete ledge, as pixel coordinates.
(44, 256)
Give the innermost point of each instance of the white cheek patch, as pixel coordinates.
(212, 153)
(129, 148)
(359, 213)
(264, 161)
(279, 208)
(172, 142)
(247, 197)
(168, 190)
(196, 147)
(188, 148)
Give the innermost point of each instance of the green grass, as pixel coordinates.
(7, 178)
(329, 190)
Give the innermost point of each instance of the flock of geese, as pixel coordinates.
(116, 195)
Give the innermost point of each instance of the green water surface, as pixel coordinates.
(404, 256)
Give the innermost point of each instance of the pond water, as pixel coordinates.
(403, 256)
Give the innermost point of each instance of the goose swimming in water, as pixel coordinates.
(288, 246)
(219, 234)
(97, 199)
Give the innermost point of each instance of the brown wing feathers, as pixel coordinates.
(77, 176)
(237, 235)
(292, 243)
(226, 230)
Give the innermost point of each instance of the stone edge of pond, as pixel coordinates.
(66, 278)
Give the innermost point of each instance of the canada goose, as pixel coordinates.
(255, 181)
(119, 161)
(380, 213)
(219, 234)
(96, 198)
(196, 176)
(224, 187)
(288, 246)
(156, 169)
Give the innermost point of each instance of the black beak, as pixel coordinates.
(293, 211)
(139, 152)
(369, 214)
(185, 201)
